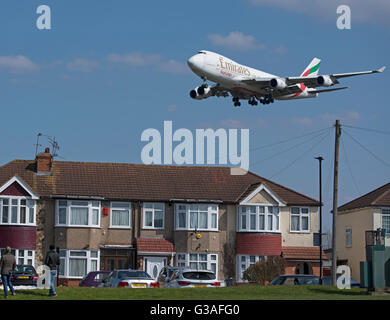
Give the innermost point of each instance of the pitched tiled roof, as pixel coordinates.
(303, 253)
(122, 181)
(154, 245)
(377, 198)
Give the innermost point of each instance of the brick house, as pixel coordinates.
(103, 216)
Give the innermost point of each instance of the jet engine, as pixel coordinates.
(278, 83)
(200, 92)
(325, 81)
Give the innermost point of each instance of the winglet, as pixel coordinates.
(382, 69)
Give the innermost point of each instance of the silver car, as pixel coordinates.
(192, 278)
(128, 278)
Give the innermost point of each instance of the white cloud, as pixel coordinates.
(83, 65)
(305, 121)
(17, 64)
(373, 11)
(349, 116)
(235, 40)
(137, 59)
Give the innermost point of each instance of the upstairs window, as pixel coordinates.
(17, 210)
(300, 219)
(348, 237)
(77, 213)
(196, 217)
(153, 215)
(386, 220)
(120, 215)
(258, 218)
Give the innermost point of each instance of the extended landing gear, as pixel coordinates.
(267, 100)
(252, 101)
(236, 101)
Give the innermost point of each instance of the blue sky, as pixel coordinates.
(108, 70)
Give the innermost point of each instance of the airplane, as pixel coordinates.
(245, 83)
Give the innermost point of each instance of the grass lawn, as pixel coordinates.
(225, 293)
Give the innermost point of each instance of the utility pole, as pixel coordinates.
(335, 192)
(320, 191)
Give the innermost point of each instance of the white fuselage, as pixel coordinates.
(228, 73)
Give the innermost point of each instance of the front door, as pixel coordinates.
(153, 265)
(114, 263)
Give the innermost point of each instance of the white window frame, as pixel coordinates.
(33, 206)
(212, 210)
(385, 212)
(153, 209)
(183, 260)
(66, 255)
(248, 211)
(348, 237)
(68, 207)
(246, 261)
(300, 215)
(25, 256)
(112, 207)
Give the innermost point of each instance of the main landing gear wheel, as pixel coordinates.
(236, 101)
(252, 101)
(267, 100)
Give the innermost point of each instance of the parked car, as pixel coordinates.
(128, 278)
(295, 279)
(327, 280)
(94, 278)
(165, 275)
(24, 275)
(192, 278)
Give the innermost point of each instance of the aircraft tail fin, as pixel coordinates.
(312, 69)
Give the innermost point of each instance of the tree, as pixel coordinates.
(266, 269)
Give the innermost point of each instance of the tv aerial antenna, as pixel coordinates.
(52, 141)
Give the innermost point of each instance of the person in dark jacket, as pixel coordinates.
(52, 260)
(7, 266)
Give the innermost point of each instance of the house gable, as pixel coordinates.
(263, 195)
(17, 188)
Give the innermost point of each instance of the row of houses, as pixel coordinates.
(104, 216)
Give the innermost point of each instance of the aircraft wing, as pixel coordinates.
(326, 90)
(312, 82)
(259, 82)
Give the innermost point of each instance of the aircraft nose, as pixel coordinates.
(195, 62)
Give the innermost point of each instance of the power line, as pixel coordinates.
(301, 156)
(290, 139)
(368, 129)
(370, 152)
(289, 149)
(349, 166)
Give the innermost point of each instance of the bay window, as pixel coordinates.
(153, 215)
(198, 261)
(77, 213)
(255, 218)
(300, 219)
(77, 263)
(120, 215)
(17, 210)
(196, 217)
(244, 262)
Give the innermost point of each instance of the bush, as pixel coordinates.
(265, 270)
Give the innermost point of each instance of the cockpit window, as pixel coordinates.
(202, 52)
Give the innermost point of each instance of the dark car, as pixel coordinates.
(24, 275)
(295, 279)
(327, 281)
(94, 278)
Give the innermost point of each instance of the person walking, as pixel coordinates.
(7, 266)
(52, 260)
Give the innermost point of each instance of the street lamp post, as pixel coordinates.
(320, 191)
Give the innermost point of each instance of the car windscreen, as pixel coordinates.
(133, 275)
(308, 280)
(277, 281)
(24, 269)
(193, 275)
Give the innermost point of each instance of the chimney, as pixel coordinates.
(43, 162)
